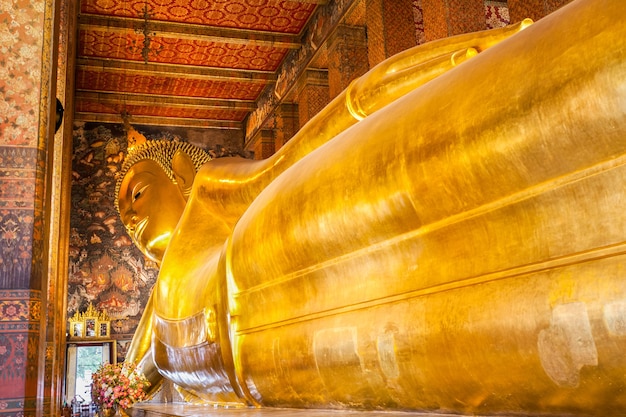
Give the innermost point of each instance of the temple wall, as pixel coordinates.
(26, 57)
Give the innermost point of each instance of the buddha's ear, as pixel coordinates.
(184, 172)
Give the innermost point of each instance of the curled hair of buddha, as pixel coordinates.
(162, 152)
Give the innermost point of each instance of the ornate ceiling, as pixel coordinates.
(199, 63)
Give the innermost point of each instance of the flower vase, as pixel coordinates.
(108, 412)
(115, 411)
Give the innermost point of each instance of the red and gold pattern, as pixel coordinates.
(203, 34)
(85, 106)
(127, 46)
(15, 308)
(22, 49)
(497, 14)
(166, 85)
(19, 75)
(263, 15)
(20, 315)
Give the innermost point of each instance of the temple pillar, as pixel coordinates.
(311, 94)
(262, 144)
(443, 18)
(27, 131)
(60, 161)
(286, 124)
(347, 57)
(390, 24)
(535, 9)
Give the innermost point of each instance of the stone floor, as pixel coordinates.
(186, 410)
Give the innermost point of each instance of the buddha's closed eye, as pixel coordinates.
(138, 191)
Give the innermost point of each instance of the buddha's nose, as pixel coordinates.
(132, 222)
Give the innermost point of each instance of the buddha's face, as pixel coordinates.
(150, 207)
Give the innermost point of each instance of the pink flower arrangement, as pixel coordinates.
(120, 385)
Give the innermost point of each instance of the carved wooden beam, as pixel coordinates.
(322, 24)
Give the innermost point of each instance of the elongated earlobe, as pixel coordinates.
(184, 172)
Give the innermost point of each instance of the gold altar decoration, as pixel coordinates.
(90, 324)
(461, 248)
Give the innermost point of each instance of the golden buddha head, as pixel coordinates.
(152, 189)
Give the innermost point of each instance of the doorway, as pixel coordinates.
(83, 359)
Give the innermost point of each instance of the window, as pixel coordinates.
(82, 360)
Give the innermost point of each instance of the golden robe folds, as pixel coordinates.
(461, 249)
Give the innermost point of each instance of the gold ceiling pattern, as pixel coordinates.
(182, 62)
(168, 50)
(264, 15)
(178, 85)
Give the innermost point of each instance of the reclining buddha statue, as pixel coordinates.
(448, 235)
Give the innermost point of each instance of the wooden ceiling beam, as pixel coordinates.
(158, 121)
(168, 101)
(150, 68)
(189, 31)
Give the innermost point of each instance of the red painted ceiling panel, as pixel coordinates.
(165, 50)
(163, 85)
(263, 15)
(237, 36)
(158, 111)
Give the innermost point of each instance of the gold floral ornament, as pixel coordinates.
(118, 385)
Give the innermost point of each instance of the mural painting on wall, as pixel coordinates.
(105, 268)
(418, 19)
(497, 14)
